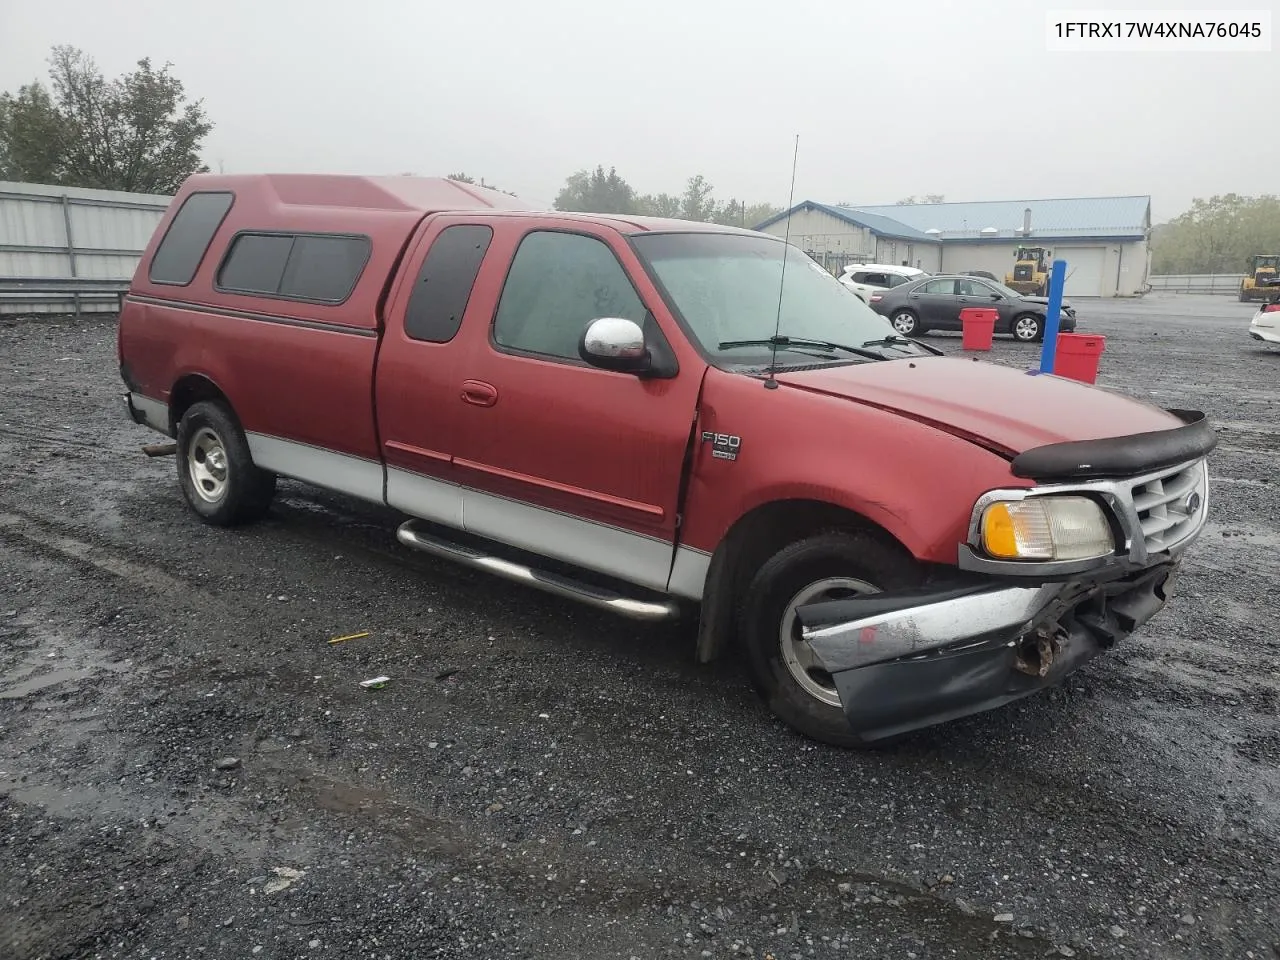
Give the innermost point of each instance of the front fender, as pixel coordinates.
(914, 481)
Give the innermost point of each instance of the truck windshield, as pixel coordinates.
(725, 286)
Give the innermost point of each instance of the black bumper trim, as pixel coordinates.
(1119, 456)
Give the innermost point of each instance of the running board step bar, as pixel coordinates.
(562, 586)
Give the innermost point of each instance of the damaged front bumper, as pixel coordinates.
(910, 660)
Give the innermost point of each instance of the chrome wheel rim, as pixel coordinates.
(904, 323)
(1026, 328)
(207, 465)
(802, 663)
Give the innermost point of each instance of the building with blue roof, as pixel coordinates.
(1105, 240)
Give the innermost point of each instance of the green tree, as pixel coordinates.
(600, 192)
(31, 136)
(698, 202)
(658, 205)
(736, 213)
(596, 192)
(135, 133)
(1219, 235)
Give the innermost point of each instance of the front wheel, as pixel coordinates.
(216, 472)
(1027, 328)
(784, 669)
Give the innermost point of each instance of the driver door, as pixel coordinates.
(557, 456)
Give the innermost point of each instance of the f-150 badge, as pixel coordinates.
(724, 446)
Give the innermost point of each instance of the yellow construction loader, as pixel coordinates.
(1254, 286)
(1030, 271)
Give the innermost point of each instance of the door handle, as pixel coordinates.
(479, 393)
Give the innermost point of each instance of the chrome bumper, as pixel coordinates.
(134, 414)
(147, 412)
(905, 661)
(941, 620)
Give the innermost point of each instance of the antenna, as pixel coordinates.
(772, 384)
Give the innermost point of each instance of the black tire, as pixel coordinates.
(245, 492)
(1013, 328)
(833, 553)
(916, 328)
(1243, 297)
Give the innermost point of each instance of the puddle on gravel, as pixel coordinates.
(43, 681)
(51, 661)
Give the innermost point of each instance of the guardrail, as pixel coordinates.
(1222, 284)
(75, 294)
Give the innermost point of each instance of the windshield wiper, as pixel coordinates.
(893, 340)
(785, 341)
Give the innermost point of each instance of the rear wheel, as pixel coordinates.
(216, 472)
(784, 669)
(905, 322)
(1027, 328)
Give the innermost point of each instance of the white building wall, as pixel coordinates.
(819, 232)
(1122, 271)
(912, 253)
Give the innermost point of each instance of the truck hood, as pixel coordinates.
(1003, 409)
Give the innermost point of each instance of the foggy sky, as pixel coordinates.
(889, 99)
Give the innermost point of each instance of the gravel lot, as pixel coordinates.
(187, 768)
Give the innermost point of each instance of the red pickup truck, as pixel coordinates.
(661, 418)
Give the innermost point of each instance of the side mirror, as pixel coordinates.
(615, 343)
(996, 296)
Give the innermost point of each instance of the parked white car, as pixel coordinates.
(1265, 325)
(863, 278)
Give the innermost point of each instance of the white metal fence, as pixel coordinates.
(66, 249)
(1218, 283)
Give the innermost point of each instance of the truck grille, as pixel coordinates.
(1172, 505)
(1022, 273)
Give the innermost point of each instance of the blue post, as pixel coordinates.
(1057, 277)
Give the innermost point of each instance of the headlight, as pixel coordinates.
(1046, 528)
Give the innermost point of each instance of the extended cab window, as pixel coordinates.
(557, 284)
(444, 283)
(315, 268)
(184, 244)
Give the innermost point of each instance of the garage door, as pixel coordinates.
(1084, 270)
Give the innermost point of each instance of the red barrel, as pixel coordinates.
(977, 325)
(1077, 356)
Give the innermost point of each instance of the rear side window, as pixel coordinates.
(256, 263)
(184, 244)
(317, 268)
(444, 283)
